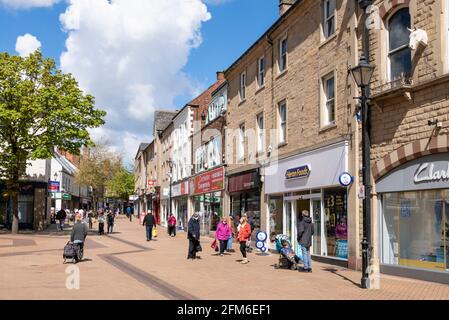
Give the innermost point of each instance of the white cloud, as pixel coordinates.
(27, 4)
(129, 54)
(27, 44)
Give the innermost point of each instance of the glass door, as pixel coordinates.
(316, 218)
(288, 218)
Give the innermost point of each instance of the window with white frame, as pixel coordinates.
(282, 114)
(399, 52)
(261, 72)
(242, 86)
(260, 133)
(328, 18)
(328, 100)
(283, 54)
(242, 141)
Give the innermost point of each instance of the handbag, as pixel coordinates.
(154, 233)
(199, 248)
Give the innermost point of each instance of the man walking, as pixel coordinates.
(61, 215)
(193, 234)
(149, 222)
(305, 233)
(129, 213)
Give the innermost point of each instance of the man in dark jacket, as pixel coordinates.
(78, 236)
(61, 215)
(193, 234)
(149, 222)
(305, 232)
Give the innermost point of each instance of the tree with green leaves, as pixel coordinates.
(121, 186)
(97, 168)
(40, 108)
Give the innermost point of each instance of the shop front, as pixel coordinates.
(180, 192)
(309, 181)
(206, 190)
(414, 218)
(244, 191)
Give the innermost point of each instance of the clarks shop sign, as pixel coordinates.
(427, 172)
(298, 172)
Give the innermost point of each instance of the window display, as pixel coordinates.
(247, 203)
(335, 219)
(415, 229)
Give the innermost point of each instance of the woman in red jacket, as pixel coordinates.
(244, 233)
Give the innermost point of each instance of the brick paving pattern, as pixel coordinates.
(125, 266)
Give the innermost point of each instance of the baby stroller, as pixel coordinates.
(287, 257)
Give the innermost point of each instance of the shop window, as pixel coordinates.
(328, 100)
(283, 55)
(415, 228)
(335, 222)
(328, 18)
(276, 217)
(261, 72)
(399, 52)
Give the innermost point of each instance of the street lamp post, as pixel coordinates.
(170, 164)
(362, 74)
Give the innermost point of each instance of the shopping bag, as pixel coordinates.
(299, 251)
(154, 233)
(214, 245)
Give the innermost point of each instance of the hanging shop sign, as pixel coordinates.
(298, 172)
(151, 183)
(345, 179)
(207, 182)
(53, 186)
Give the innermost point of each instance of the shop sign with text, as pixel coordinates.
(208, 182)
(298, 172)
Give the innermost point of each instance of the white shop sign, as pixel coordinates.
(428, 172)
(327, 163)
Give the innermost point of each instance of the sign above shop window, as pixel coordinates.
(243, 182)
(428, 172)
(207, 182)
(298, 172)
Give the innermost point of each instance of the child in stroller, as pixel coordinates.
(287, 258)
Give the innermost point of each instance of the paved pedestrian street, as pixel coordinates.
(124, 265)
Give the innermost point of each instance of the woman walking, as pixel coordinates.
(243, 236)
(222, 234)
(172, 225)
(101, 221)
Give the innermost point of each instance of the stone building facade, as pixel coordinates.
(292, 129)
(409, 137)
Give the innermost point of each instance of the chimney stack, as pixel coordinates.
(220, 75)
(284, 5)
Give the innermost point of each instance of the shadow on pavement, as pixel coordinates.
(335, 271)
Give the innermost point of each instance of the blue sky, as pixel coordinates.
(100, 47)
